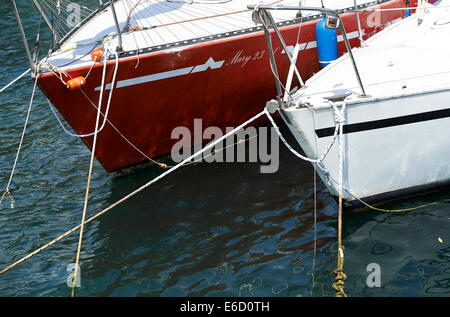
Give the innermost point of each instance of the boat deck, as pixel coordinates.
(158, 23)
(389, 65)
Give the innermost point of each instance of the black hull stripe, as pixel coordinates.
(385, 123)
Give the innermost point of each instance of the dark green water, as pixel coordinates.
(206, 230)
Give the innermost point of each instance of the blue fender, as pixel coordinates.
(327, 44)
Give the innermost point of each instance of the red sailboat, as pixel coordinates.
(160, 64)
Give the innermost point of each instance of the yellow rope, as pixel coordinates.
(315, 235)
(339, 284)
(83, 218)
(91, 164)
(393, 210)
(399, 210)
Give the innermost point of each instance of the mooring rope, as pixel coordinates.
(94, 143)
(121, 134)
(399, 210)
(302, 157)
(15, 80)
(7, 191)
(317, 161)
(390, 210)
(315, 202)
(315, 232)
(339, 285)
(341, 277)
(125, 198)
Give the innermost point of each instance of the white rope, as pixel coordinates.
(121, 134)
(294, 61)
(7, 192)
(291, 72)
(340, 118)
(305, 158)
(11, 83)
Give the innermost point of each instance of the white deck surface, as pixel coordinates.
(403, 59)
(172, 21)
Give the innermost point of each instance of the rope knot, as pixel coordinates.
(339, 284)
(7, 192)
(339, 117)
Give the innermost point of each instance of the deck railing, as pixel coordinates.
(333, 21)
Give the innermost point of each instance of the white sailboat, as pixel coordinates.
(395, 115)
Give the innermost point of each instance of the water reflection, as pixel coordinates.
(211, 229)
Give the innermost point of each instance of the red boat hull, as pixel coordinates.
(223, 82)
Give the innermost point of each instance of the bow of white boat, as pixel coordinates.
(396, 136)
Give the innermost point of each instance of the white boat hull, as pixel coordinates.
(392, 147)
